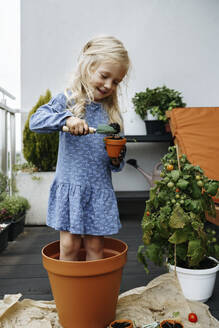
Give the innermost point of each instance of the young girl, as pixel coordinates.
(82, 202)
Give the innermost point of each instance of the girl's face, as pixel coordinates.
(105, 79)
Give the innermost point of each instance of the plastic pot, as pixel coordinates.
(114, 146)
(86, 292)
(197, 285)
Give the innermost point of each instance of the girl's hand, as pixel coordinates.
(77, 126)
(118, 160)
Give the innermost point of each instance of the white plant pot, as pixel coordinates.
(197, 285)
(37, 193)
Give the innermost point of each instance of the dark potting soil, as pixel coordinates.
(207, 263)
(121, 324)
(171, 325)
(115, 126)
(115, 138)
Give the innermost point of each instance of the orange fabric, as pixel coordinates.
(197, 133)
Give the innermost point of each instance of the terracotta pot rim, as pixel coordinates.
(109, 140)
(83, 262)
(120, 321)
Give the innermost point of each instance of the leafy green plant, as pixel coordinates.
(13, 207)
(174, 218)
(157, 101)
(40, 149)
(3, 186)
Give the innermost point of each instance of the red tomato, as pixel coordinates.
(148, 213)
(192, 317)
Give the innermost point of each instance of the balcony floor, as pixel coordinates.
(21, 269)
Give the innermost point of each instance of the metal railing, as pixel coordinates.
(7, 136)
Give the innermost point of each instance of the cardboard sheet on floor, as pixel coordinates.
(159, 300)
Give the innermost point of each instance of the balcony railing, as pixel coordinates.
(7, 135)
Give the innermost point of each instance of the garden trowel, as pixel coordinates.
(112, 128)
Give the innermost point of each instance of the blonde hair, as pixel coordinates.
(99, 49)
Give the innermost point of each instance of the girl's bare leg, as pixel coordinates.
(69, 246)
(94, 246)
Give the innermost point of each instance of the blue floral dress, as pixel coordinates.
(82, 199)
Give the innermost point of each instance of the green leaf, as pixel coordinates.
(195, 190)
(175, 175)
(216, 249)
(178, 218)
(195, 252)
(181, 251)
(182, 184)
(194, 205)
(212, 188)
(152, 193)
(141, 257)
(178, 237)
(154, 253)
(176, 314)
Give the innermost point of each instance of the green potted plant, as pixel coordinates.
(4, 215)
(12, 212)
(114, 142)
(156, 102)
(4, 228)
(35, 177)
(174, 223)
(40, 149)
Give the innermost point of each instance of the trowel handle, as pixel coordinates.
(91, 130)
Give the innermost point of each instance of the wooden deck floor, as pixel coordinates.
(21, 269)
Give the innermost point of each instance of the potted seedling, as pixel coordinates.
(114, 142)
(174, 225)
(154, 103)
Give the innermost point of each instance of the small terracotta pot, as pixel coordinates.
(171, 321)
(114, 146)
(122, 321)
(86, 292)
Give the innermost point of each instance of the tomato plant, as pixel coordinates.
(177, 207)
(192, 317)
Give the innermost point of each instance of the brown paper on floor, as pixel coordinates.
(159, 300)
(155, 302)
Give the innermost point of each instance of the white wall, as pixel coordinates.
(171, 42)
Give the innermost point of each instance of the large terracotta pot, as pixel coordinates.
(114, 146)
(86, 292)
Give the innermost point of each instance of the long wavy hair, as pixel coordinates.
(98, 50)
